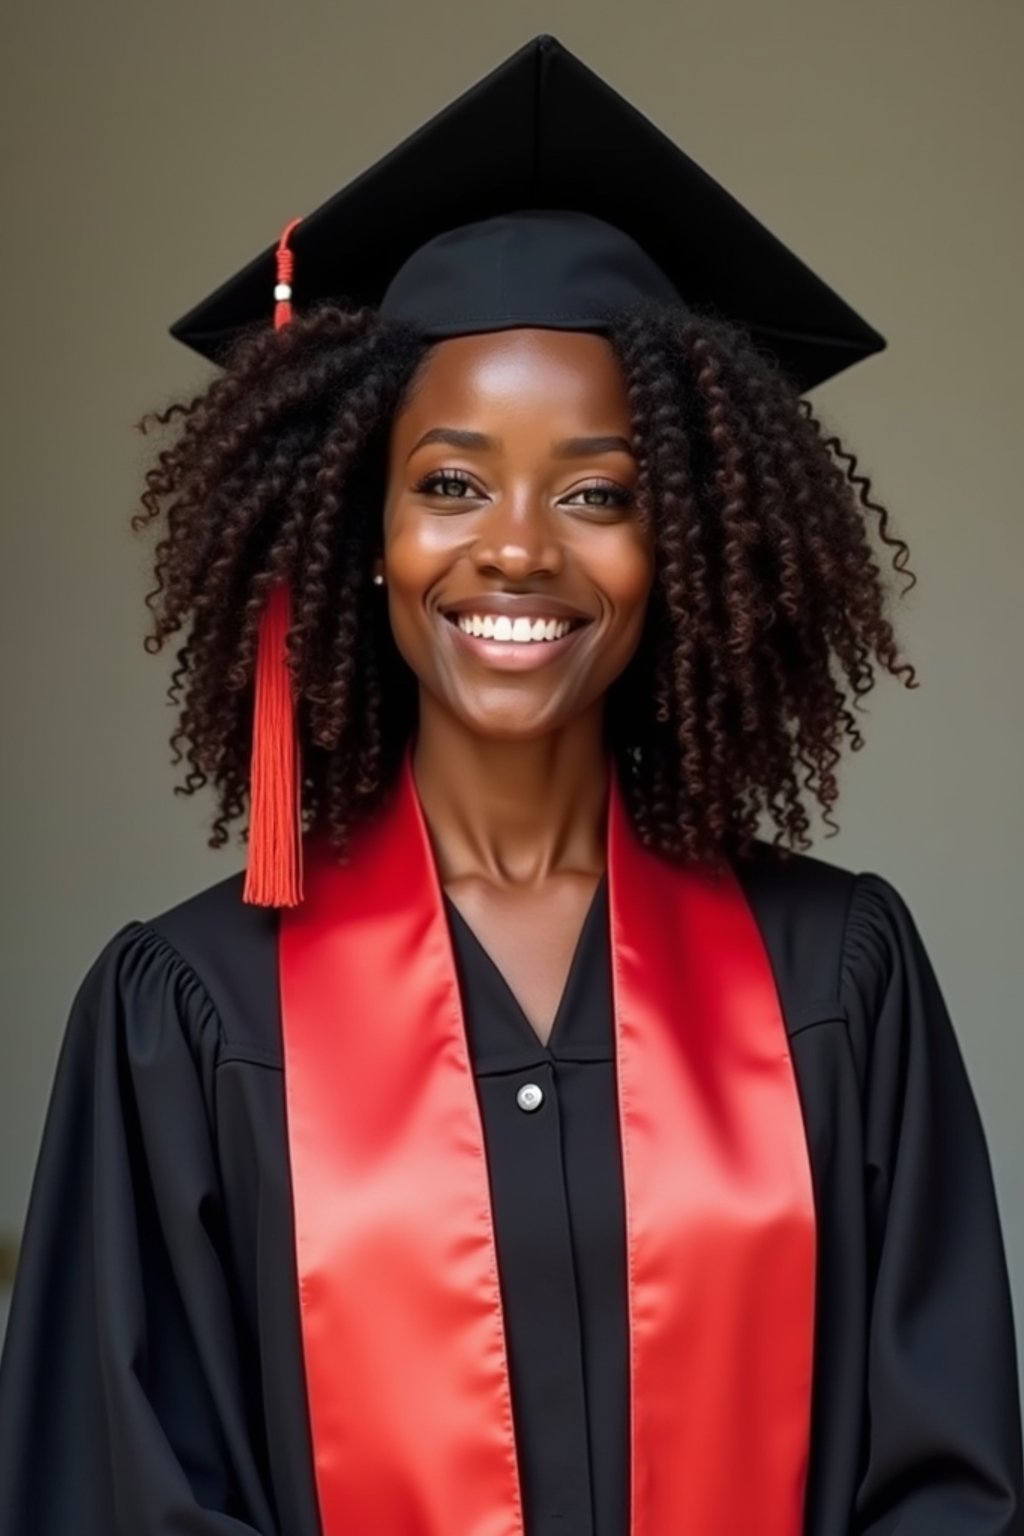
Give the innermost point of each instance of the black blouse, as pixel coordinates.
(152, 1380)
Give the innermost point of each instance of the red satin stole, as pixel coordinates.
(402, 1324)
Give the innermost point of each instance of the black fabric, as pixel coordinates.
(152, 1378)
(542, 132)
(552, 268)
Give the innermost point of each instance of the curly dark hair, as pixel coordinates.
(766, 617)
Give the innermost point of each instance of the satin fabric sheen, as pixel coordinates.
(403, 1337)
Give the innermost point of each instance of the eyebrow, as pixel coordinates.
(455, 437)
(584, 447)
(565, 448)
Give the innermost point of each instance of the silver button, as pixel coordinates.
(530, 1096)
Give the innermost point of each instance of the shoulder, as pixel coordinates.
(835, 936)
(209, 963)
(215, 931)
(230, 946)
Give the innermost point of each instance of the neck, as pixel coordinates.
(513, 812)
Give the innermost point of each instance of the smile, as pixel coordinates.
(514, 644)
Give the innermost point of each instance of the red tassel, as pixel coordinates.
(285, 263)
(274, 871)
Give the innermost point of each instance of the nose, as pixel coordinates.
(516, 540)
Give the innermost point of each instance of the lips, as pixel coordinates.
(540, 641)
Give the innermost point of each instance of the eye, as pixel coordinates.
(452, 484)
(603, 494)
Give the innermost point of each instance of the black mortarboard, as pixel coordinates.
(455, 212)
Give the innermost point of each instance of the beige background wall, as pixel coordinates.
(150, 149)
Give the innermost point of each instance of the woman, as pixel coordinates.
(530, 1146)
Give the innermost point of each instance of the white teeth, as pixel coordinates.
(521, 631)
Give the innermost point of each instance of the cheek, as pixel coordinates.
(627, 576)
(415, 548)
(419, 538)
(418, 552)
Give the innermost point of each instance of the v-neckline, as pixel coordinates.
(569, 987)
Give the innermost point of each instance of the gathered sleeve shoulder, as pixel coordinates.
(942, 1432)
(121, 1406)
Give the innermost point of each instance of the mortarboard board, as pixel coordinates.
(542, 131)
(538, 197)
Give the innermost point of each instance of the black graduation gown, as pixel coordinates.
(152, 1379)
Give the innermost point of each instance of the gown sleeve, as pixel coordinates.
(942, 1428)
(121, 1407)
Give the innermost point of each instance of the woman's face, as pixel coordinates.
(517, 563)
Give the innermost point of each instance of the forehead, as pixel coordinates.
(566, 372)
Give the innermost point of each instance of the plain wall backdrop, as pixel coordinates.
(150, 150)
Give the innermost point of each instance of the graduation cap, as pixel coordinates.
(542, 131)
(539, 197)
